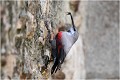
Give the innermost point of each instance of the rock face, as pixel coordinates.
(25, 37)
(101, 40)
(24, 26)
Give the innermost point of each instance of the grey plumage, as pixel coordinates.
(68, 39)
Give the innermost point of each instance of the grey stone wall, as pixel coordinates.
(101, 40)
(23, 30)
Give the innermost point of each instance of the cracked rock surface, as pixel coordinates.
(25, 32)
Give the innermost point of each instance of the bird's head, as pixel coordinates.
(68, 13)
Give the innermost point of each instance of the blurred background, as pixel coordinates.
(25, 42)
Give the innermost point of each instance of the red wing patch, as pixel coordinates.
(59, 36)
(59, 44)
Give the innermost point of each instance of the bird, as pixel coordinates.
(63, 42)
